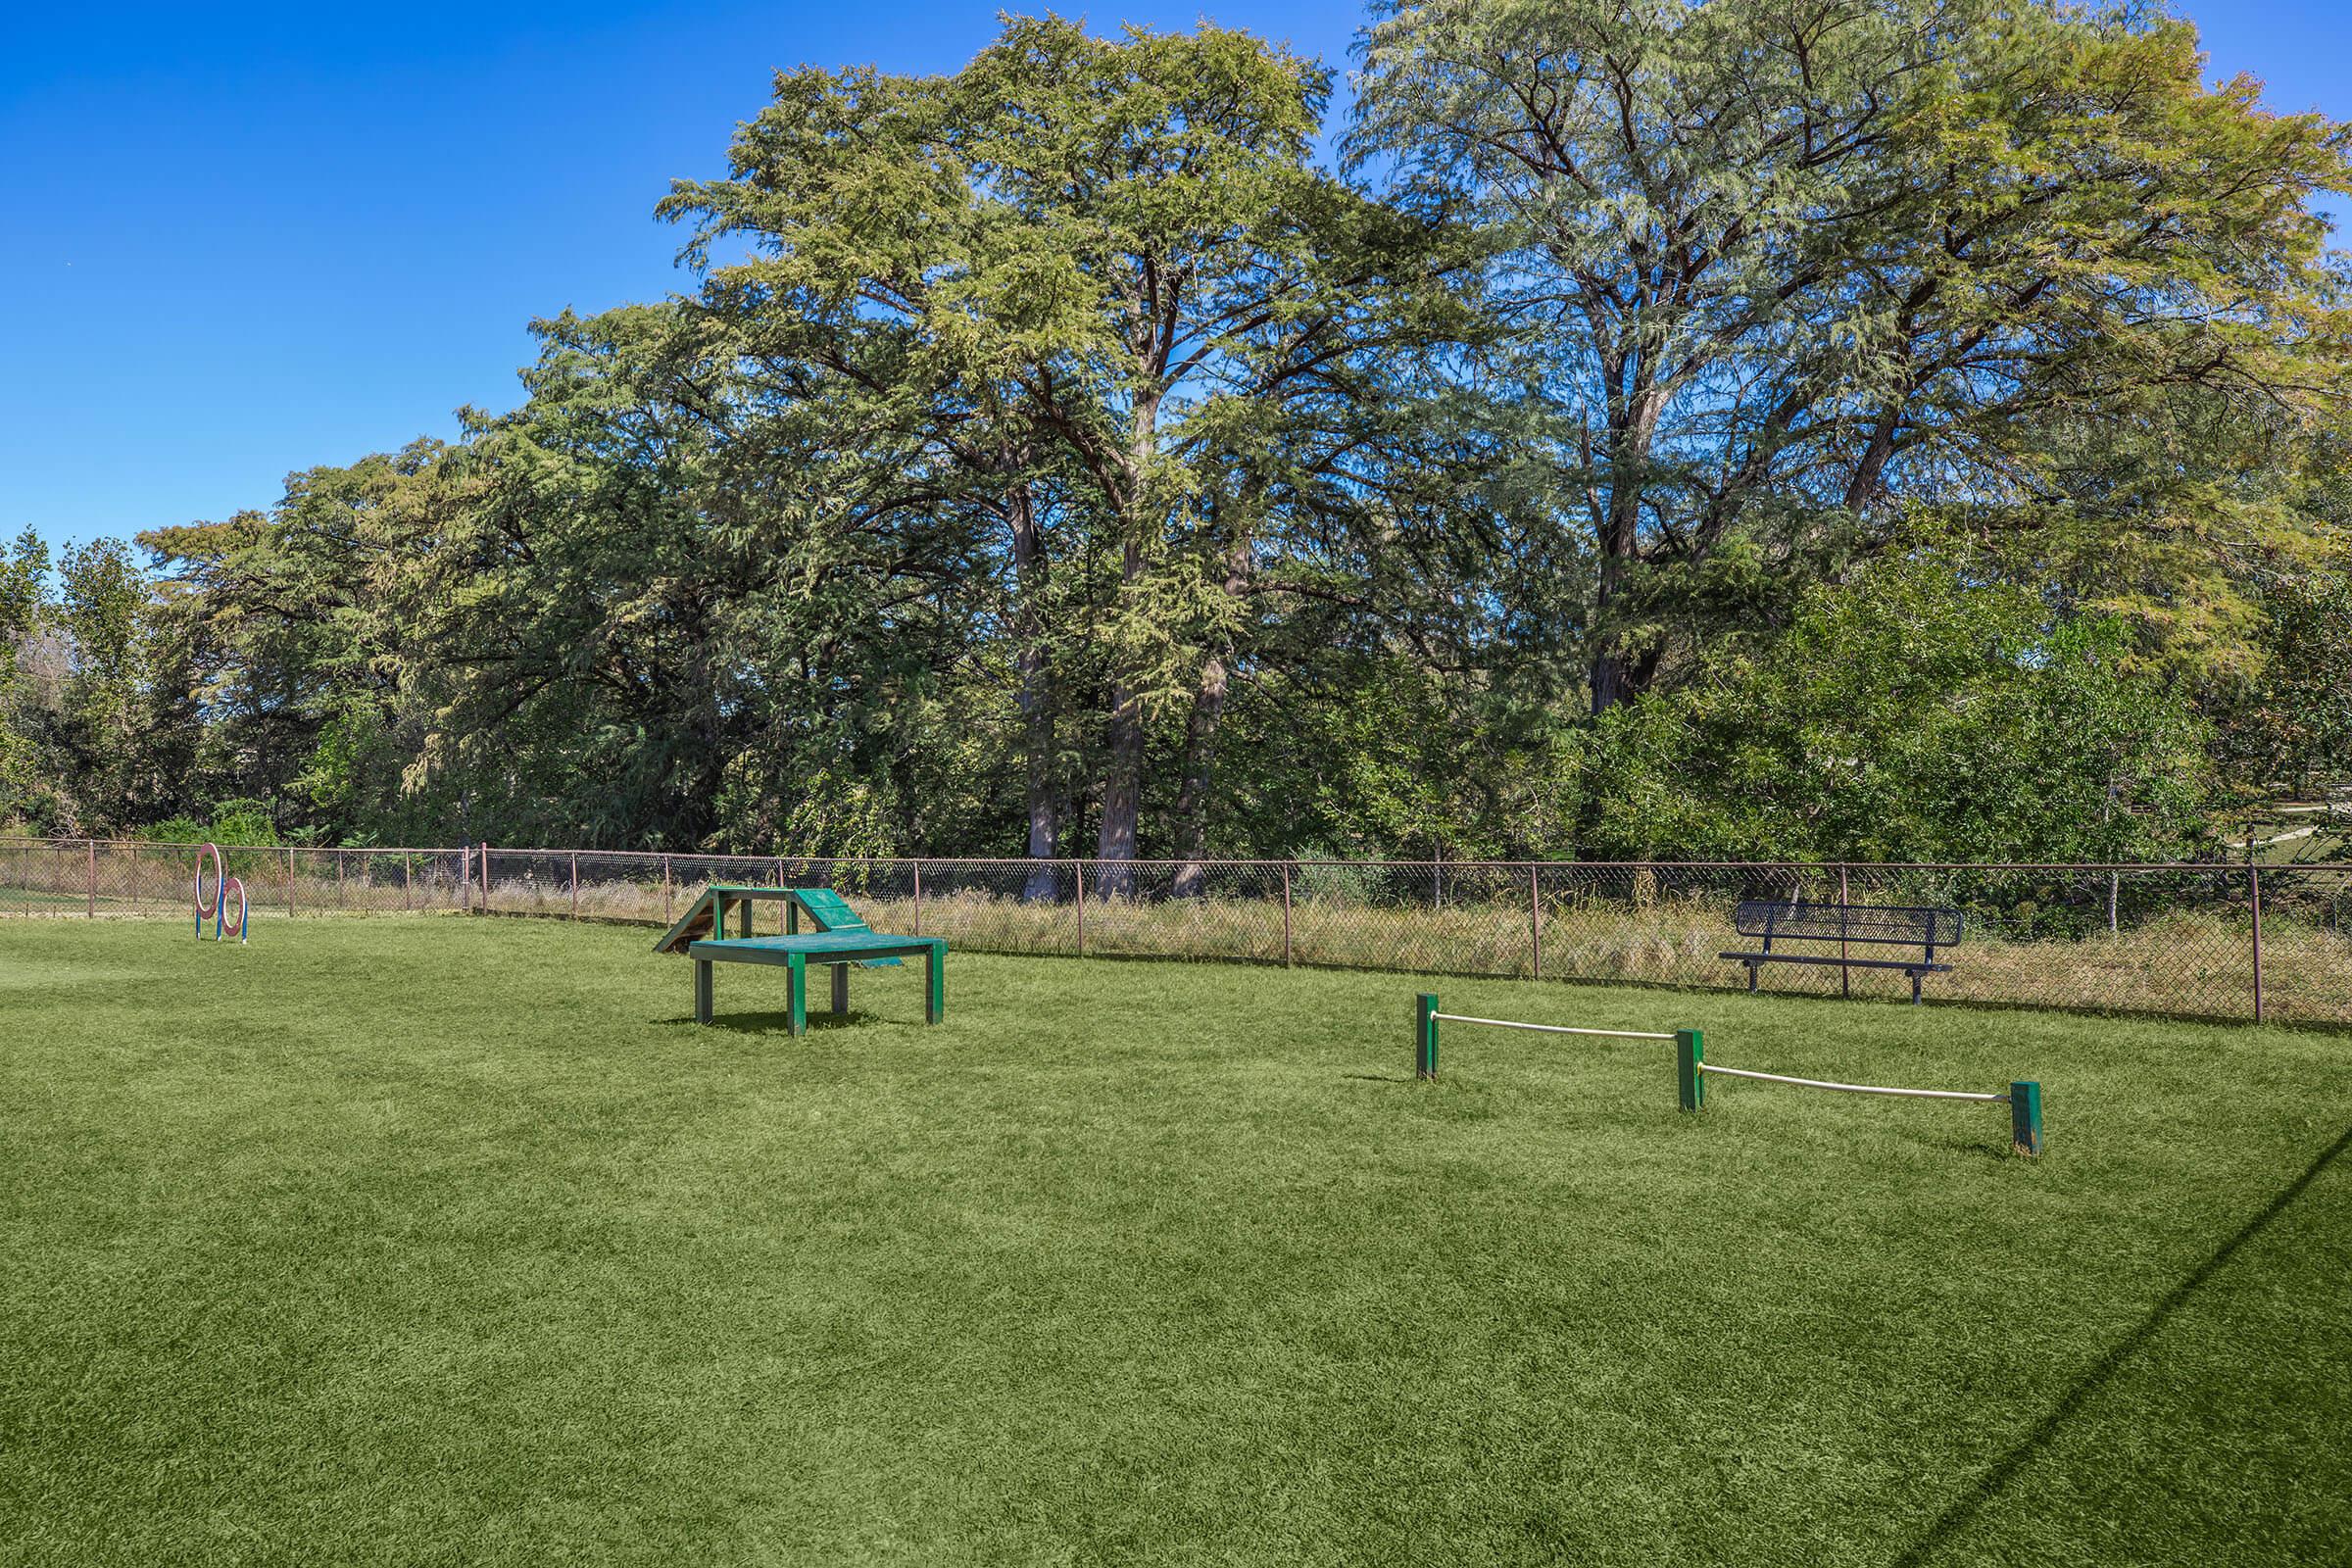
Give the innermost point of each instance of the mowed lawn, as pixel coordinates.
(453, 1240)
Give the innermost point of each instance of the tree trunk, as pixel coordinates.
(1122, 791)
(1036, 695)
(1619, 676)
(1201, 728)
(1123, 759)
(1191, 790)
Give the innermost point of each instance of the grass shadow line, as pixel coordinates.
(1963, 1511)
(776, 1022)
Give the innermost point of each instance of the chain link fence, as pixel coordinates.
(2202, 941)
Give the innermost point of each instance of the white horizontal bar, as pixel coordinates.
(1550, 1028)
(1849, 1089)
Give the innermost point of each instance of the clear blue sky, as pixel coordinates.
(244, 239)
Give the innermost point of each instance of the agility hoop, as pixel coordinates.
(205, 906)
(244, 912)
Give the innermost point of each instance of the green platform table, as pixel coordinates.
(833, 949)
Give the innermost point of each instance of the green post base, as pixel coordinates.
(2025, 1118)
(796, 994)
(1425, 1036)
(935, 983)
(841, 988)
(1690, 1056)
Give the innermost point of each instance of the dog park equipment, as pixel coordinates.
(706, 915)
(841, 940)
(1691, 1069)
(1426, 1018)
(224, 885)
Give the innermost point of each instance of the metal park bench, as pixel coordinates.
(1920, 926)
(841, 939)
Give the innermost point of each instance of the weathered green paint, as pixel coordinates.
(1425, 1036)
(2025, 1118)
(831, 912)
(832, 949)
(796, 992)
(1690, 1055)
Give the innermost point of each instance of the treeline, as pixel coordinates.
(1867, 427)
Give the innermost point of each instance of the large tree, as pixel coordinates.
(1784, 264)
(1094, 294)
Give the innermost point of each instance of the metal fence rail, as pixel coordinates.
(2197, 940)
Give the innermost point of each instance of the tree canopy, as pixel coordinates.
(1906, 427)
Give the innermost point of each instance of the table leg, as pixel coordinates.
(702, 991)
(795, 987)
(935, 983)
(841, 988)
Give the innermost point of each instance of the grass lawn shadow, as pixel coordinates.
(1963, 1511)
(780, 1022)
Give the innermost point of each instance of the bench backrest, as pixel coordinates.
(1899, 925)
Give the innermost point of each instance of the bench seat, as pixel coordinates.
(1921, 926)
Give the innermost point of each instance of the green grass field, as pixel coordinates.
(452, 1242)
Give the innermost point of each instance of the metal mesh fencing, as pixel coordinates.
(95, 879)
(2182, 940)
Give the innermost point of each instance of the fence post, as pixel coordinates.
(92, 910)
(666, 912)
(1079, 866)
(2025, 1118)
(340, 899)
(1534, 919)
(485, 876)
(289, 884)
(2254, 887)
(139, 903)
(918, 897)
(1846, 976)
(1690, 1057)
(575, 884)
(1286, 915)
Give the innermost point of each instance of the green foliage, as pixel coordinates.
(1909, 713)
(1058, 457)
(1782, 271)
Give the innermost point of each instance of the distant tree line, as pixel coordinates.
(1897, 428)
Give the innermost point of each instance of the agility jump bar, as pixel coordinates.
(2023, 1099)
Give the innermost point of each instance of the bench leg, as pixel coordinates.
(702, 991)
(841, 988)
(935, 983)
(1751, 975)
(1915, 988)
(796, 994)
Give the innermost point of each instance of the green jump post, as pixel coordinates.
(2025, 1118)
(1425, 1036)
(1689, 1056)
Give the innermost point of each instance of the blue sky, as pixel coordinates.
(247, 238)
